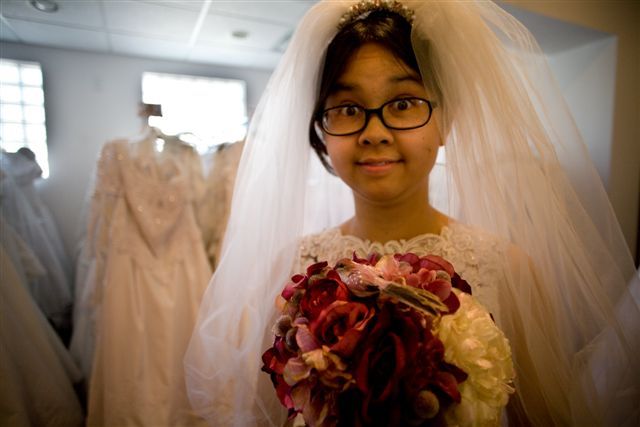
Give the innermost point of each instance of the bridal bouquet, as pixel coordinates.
(392, 340)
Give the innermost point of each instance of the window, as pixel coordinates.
(22, 115)
(207, 111)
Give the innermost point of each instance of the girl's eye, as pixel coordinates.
(348, 110)
(402, 104)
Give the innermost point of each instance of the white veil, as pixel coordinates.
(516, 166)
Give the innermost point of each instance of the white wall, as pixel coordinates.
(587, 77)
(92, 98)
(621, 20)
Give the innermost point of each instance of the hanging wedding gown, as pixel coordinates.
(27, 215)
(37, 375)
(213, 212)
(25, 172)
(148, 273)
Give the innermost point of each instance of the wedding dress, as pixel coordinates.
(213, 211)
(25, 172)
(145, 282)
(38, 374)
(25, 212)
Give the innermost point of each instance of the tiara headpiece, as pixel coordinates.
(363, 8)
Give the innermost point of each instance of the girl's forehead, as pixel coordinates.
(372, 63)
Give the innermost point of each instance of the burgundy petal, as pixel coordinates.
(448, 384)
(434, 262)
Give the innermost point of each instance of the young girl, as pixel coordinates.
(384, 86)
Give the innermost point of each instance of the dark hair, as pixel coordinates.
(383, 27)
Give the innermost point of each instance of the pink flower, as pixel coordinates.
(436, 275)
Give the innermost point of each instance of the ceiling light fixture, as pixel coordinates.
(240, 34)
(48, 6)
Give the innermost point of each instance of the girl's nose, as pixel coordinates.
(375, 132)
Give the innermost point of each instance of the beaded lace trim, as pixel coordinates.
(476, 255)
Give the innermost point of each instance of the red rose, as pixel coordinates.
(397, 360)
(341, 325)
(321, 291)
(383, 358)
(430, 371)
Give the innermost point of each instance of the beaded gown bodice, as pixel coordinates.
(475, 255)
(148, 273)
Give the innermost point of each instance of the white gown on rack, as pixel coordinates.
(52, 291)
(37, 374)
(213, 211)
(149, 272)
(25, 173)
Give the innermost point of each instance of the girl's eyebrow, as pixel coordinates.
(342, 87)
(408, 77)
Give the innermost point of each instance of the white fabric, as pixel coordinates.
(26, 172)
(29, 217)
(146, 272)
(36, 371)
(516, 167)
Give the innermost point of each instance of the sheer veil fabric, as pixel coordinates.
(516, 166)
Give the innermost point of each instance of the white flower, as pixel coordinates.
(474, 343)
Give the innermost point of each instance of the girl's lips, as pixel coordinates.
(377, 167)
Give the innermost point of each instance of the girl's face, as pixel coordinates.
(379, 164)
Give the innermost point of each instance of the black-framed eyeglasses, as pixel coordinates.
(398, 114)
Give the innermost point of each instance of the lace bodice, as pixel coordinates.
(151, 192)
(476, 255)
(146, 271)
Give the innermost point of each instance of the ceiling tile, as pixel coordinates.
(59, 36)
(161, 28)
(194, 5)
(80, 13)
(234, 56)
(217, 30)
(153, 48)
(275, 11)
(7, 33)
(142, 18)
